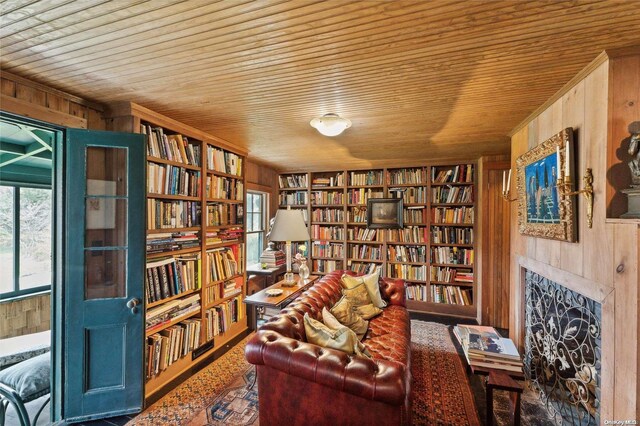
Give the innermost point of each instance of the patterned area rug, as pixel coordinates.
(223, 393)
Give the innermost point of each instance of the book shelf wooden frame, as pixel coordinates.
(469, 311)
(127, 117)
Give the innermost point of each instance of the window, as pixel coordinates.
(256, 225)
(25, 240)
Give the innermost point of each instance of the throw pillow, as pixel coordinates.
(368, 311)
(344, 312)
(371, 283)
(358, 295)
(329, 320)
(342, 339)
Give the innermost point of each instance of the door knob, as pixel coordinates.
(132, 304)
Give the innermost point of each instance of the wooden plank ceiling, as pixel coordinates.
(420, 80)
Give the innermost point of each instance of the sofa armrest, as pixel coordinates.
(393, 290)
(378, 380)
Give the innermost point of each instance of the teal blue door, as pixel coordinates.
(102, 296)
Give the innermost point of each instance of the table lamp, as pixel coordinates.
(289, 226)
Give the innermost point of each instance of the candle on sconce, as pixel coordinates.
(567, 156)
(558, 161)
(509, 181)
(504, 173)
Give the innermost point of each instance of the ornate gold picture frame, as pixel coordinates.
(542, 210)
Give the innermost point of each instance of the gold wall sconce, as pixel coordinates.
(564, 185)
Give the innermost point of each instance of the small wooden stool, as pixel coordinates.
(499, 380)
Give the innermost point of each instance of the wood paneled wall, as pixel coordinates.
(25, 316)
(261, 177)
(603, 264)
(30, 99)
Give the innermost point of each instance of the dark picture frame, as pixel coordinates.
(384, 213)
(542, 210)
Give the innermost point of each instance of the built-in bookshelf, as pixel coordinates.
(195, 277)
(433, 252)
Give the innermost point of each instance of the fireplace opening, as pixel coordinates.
(562, 355)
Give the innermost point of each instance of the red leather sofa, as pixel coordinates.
(300, 383)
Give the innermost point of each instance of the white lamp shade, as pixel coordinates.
(289, 226)
(330, 124)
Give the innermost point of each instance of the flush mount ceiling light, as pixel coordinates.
(330, 124)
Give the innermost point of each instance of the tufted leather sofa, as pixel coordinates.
(300, 383)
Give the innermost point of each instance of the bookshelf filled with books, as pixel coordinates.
(195, 279)
(293, 190)
(433, 251)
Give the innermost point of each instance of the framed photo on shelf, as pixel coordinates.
(542, 210)
(384, 213)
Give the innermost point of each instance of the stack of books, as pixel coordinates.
(273, 258)
(158, 243)
(483, 347)
(158, 317)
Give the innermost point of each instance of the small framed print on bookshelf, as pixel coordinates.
(384, 213)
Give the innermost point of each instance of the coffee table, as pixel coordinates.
(261, 300)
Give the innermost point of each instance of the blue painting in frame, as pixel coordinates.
(541, 191)
(542, 210)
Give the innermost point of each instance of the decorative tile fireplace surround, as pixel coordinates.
(562, 350)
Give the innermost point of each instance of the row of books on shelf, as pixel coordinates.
(408, 234)
(222, 290)
(293, 198)
(222, 214)
(412, 194)
(171, 241)
(357, 214)
(444, 294)
(485, 348)
(327, 215)
(414, 215)
(365, 251)
(293, 181)
(225, 188)
(452, 194)
(360, 196)
(158, 317)
(399, 253)
(224, 161)
(461, 215)
(170, 345)
(451, 295)
(327, 197)
(336, 179)
(460, 174)
(225, 262)
(223, 235)
(325, 249)
(220, 318)
(163, 214)
(174, 147)
(166, 179)
(450, 275)
(448, 235)
(370, 177)
(169, 277)
(406, 176)
(319, 232)
(326, 266)
(408, 272)
(363, 234)
(364, 268)
(452, 255)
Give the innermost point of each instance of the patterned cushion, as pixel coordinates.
(358, 295)
(345, 313)
(371, 282)
(29, 378)
(368, 311)
(342, 339)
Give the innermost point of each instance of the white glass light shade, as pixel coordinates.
(330, 124)
(289, 226)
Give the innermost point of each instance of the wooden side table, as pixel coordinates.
(261, 301)
(501, 380)
(269, 276)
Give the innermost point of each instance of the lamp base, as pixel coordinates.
(289, 280)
